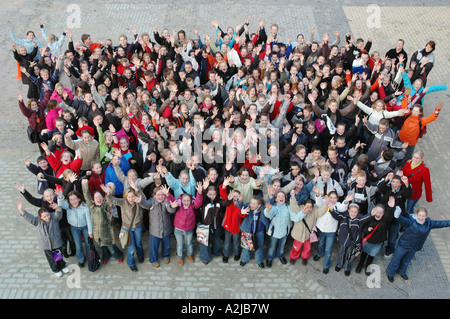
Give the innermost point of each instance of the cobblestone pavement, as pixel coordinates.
(24, 271)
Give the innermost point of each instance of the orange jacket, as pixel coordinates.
(411, 127)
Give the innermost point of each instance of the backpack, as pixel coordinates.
(93, 257)
(422, 128)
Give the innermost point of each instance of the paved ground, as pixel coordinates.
(24, 272)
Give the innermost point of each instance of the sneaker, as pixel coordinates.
(120, 260)
(283, 260)
(81, 265)
(242, 263)
(180, 261)
(191, 258)
(58, 274)
(225, 259)
(156, 265)
(166, 260)
(337, 269)
(405, 277)
(261, 265)
(269, 263)
(316, 258)
(325, 270)
(104, 262)
(387, 256)
(133, 268)
(347, 273)
(237, 257)
(390, 278)
(66, 270)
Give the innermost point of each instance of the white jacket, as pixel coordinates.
(326, 223)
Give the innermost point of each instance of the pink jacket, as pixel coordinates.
(57, 97)
(185, 218)
(51, 117)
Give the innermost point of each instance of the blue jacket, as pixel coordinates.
(247, 222)
(179, 188)
(415, 234)
(111, 176)
(407, 83)
(304, 193)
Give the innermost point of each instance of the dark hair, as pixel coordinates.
(432, 44)
(41, 158)
(77, 194)
(42, 211)
(388, 154)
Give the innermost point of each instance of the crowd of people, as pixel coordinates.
(237, 141)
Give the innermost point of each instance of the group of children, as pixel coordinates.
(239, 143)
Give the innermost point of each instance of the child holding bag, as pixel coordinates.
(49, 235)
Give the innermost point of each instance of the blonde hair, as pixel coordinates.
(422, 209)
(374, 105)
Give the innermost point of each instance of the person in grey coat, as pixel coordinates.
(160, 224)
(49, 235)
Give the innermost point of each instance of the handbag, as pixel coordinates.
(33, 134)
(124, 235)
(312, 234)
(355, 248)
(57, 255)
(368, 236)
(93, 257)
(202, 232)
(247, 242)
(247, 239)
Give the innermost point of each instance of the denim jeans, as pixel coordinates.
(326, 241)
(276, 247)
(214, 246)
(227, 243)
(155, 242)
(184, 238)
(372, 249)
(77, 232)
(392, 236)
(259, 253)
(135, 245)
(400, 262)
(410, 203)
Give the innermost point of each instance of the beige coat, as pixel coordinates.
(91, 151)
(299, 231)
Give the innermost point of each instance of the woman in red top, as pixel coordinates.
(418, 174)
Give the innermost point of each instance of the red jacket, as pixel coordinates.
(95, 181)
(232, 219)
(417, 177)
(59, 167)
